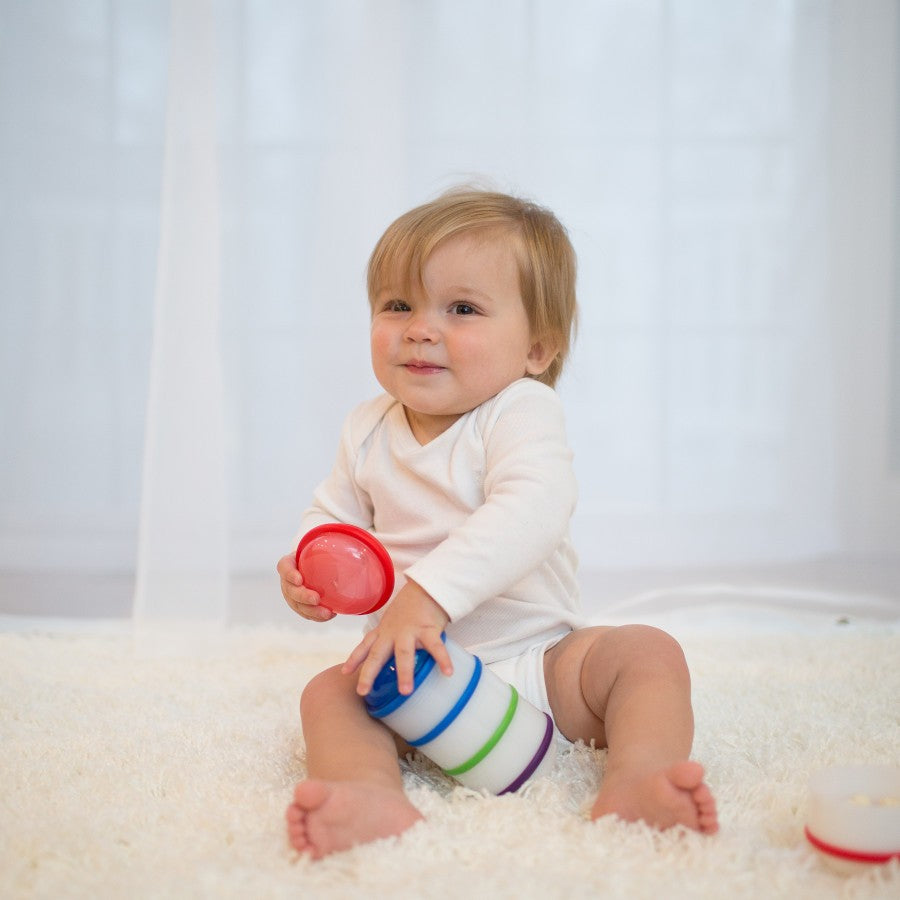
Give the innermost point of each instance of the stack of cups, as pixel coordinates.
(475, 726)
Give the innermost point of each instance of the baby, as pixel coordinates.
(463, 471)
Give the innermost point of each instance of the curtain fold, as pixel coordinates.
(182, 561)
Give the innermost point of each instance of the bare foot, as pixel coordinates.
(677, 795)
(327, 816)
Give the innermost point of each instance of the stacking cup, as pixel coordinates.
(472, 724)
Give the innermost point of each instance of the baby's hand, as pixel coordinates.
(301, 600)
(412, 620)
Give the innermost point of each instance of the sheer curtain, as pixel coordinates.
(190, 194)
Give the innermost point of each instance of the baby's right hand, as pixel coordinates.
(303, 601)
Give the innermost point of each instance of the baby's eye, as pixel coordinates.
(463, 309)
(396, 306)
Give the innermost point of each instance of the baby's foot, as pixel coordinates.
(677, 795)
(327, 816)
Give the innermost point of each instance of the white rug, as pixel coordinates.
(159, 765)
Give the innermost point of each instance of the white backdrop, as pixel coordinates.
(189, 196)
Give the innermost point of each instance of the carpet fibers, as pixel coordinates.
(159, 763)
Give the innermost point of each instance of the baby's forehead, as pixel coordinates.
(398, 277)
(397, 268)
(404, 263)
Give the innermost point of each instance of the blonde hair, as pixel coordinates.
(544, 256)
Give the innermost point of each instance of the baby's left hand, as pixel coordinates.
(412, 620)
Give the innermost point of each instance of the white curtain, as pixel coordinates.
(189, 195)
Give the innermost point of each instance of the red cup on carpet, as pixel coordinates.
(347, 567)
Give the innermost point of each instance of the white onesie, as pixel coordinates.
(478, 517)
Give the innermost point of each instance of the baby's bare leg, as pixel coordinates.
(629, 690)
(354, 793)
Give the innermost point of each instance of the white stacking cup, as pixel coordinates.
(472, 724)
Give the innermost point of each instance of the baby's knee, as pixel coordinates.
(321, 689)
(649, 645)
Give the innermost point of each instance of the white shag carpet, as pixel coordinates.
(158, 765)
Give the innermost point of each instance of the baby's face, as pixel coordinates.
(457, 340)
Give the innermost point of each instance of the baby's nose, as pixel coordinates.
(422, 328)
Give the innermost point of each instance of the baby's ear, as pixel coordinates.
(541, 354)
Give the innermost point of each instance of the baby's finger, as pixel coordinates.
(300, 596)
(405, 657)
(379, 654)
(432, 642)
(306, 603)
(359, 653)
(316, 613)
(288, 571)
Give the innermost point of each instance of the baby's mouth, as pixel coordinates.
(421, 367)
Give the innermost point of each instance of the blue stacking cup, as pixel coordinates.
(472, 724)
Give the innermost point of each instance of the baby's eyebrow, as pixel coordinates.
(469, 292)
